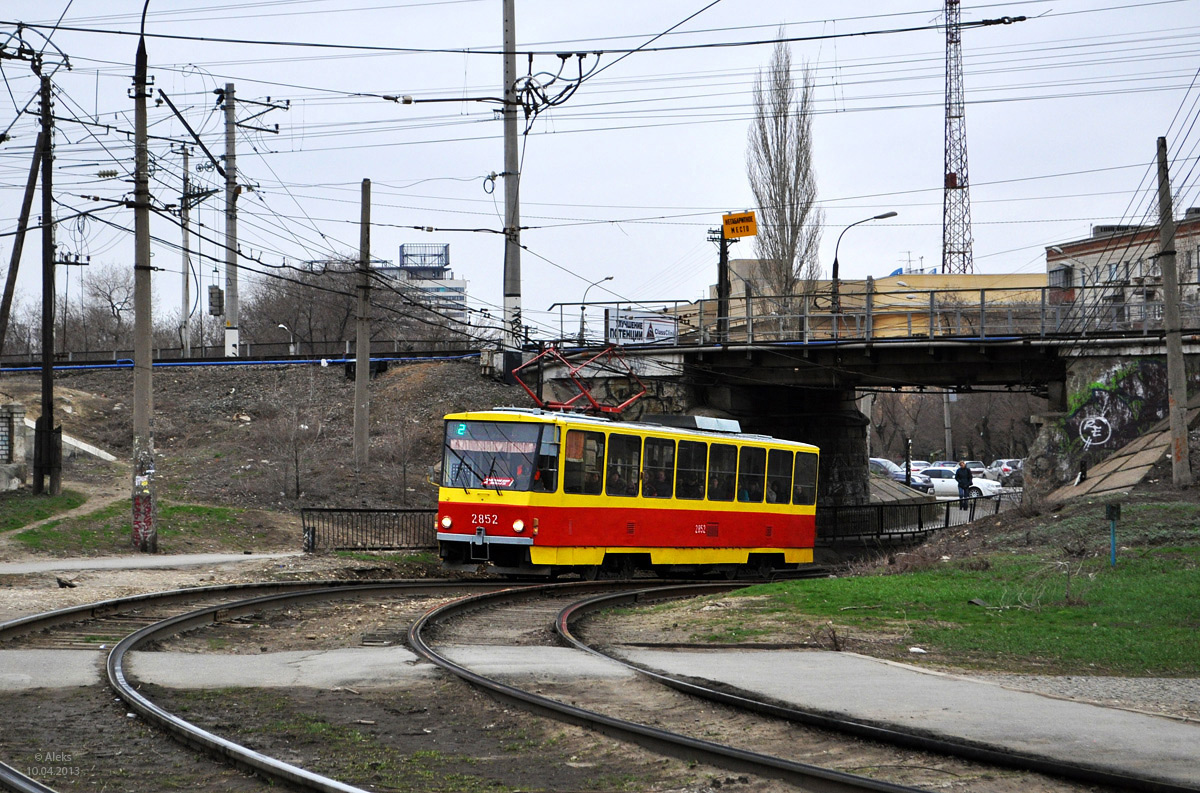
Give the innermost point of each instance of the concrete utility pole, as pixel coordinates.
(231, 194)
(362, 343)
(145, 514)
(185, 303)
(47, 450)
(1181, 471)
(512, 210)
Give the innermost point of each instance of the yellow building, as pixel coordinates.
(898, 305)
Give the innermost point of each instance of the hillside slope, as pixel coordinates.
(272, 436)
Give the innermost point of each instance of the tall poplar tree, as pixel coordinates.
(780, 168)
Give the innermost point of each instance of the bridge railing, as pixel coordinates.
(881, 524)
(1115, 309)
(327, 348)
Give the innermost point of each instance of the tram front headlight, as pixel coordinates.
(446, 522)
(518, 525)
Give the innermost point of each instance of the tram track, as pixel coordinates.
(723, 736)
(506, 615)
(125, 622)
(747, 701)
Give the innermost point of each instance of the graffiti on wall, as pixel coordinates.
(1095, 431)
(1115, 408)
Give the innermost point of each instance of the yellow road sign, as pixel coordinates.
(742, 224)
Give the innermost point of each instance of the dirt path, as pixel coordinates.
(98, 494)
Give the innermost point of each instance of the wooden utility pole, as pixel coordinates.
(145, 517)
(362, 344)
(1181, 471)
(47, 450)
(10, 283)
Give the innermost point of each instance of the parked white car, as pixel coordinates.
(946, 486)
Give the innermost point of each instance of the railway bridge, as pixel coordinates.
(801, 374)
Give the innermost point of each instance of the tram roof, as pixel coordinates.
(538, 414)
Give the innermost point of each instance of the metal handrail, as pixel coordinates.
(1021, 312)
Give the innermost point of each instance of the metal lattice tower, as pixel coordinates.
(956, 198)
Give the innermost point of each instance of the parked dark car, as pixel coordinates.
(881, 467)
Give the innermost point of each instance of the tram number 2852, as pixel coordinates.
(483, 519)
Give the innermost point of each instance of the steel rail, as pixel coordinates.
(745, 700)
(107, 608)
(807, 777)
(222, 748)
(12, 779)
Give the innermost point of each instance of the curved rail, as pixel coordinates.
(107, 608)
(215, 745)
(746, 701)
(807, 776)
(13, 779)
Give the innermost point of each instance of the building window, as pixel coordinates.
(1061, 278)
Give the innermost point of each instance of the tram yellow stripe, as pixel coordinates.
(577, 556)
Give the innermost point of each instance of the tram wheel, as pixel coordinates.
(590, 573)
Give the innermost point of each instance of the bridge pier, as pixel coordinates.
(828, 418)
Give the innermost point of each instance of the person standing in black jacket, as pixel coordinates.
(963, 477)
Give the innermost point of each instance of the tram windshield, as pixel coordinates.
(500, 455)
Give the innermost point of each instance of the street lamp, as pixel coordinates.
(835, 302)
(291, 339)
(583, 305)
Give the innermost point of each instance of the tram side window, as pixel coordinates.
(779, 476)
(689, 474)
(624, 463)
(722, 472)
(804, 486)
(658, 468)
(583, 463)
(545, 478)
(752, 464)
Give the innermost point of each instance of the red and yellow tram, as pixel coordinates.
(536, 492)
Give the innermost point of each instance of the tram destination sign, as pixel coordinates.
(640, 327)
(742, 224)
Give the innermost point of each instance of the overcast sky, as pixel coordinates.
(627, 175)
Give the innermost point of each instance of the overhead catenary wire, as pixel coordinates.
(280, 245)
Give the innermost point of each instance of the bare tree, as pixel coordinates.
(108, 303)
(293, 426)
(320, 306)
(780, 168)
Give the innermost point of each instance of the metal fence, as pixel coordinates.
(872, 524)
(864, 314)
(336, 529)
(282, 350)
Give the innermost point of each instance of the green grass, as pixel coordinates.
(1141, 618)
(20, 508)
(108, 530)
(1084, 525)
